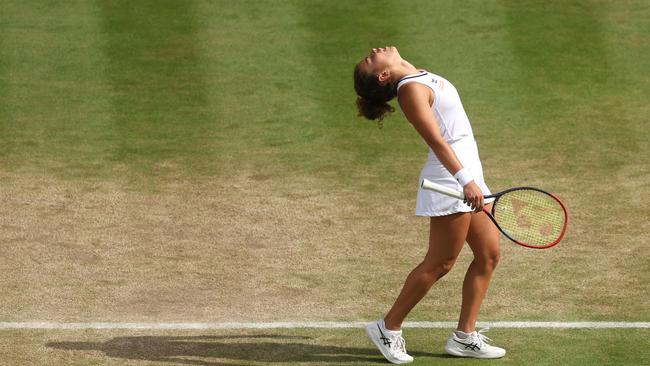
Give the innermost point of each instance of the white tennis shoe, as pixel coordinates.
(390, 343)
(475, 345)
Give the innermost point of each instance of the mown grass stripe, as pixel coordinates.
(53, 106)
(329, 325)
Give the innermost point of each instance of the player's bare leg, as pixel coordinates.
(446, 238)
(483, 239)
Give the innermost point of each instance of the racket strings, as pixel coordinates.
(531, 217)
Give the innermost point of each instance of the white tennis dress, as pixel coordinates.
(457, 131)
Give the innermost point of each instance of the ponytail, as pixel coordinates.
(373, 97)
(373, 110)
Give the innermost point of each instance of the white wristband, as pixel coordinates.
(463, 177)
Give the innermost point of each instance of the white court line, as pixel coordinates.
(277, 325)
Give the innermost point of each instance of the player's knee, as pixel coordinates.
(494, 259)
(443, 267)
(489, 260)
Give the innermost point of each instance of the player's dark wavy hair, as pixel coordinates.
(373, 97)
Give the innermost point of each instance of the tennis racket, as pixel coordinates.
(528, 216)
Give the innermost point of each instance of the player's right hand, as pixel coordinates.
(473, 196)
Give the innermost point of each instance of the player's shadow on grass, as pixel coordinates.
(226, 350)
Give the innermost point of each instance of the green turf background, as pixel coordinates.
(156, 93)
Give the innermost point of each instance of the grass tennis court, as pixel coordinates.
(312, 347)
(201, 161)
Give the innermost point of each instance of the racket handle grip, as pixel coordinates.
(427, 184)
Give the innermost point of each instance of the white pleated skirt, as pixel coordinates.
(430, 203)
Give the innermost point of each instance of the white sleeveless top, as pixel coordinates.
(447, 107)
(456, 130)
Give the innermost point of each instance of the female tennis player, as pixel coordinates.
(432, 105)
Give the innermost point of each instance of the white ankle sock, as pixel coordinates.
(460, 334)
(390, 332)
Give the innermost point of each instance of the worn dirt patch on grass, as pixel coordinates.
(251, 249)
